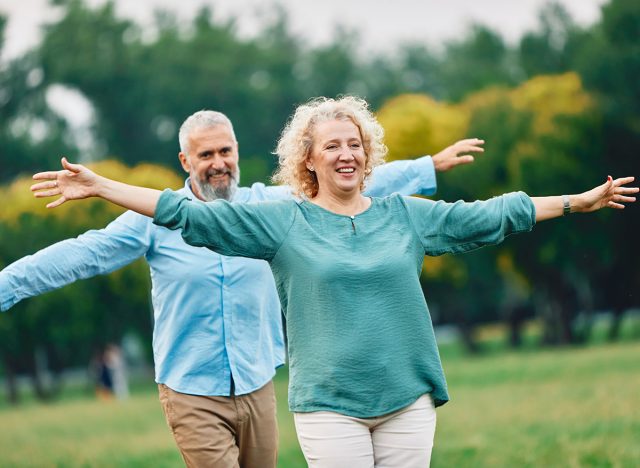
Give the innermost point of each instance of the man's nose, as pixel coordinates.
(217, 162)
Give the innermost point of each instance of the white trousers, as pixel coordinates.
(402, 439)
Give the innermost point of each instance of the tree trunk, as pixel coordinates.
(13, 395)
(515, 322)
(616, 324)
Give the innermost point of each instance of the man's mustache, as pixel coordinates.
(217, 172)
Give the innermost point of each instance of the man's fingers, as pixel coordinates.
(465, 159)
(478, 149)
(471, 141)
(467, 148)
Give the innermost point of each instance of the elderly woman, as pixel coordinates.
(365, 374)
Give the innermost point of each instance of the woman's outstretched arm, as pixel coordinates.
(611, 194)
(75, 182)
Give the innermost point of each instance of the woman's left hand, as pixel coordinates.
(611, 194)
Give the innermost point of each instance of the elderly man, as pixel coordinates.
(217, 336)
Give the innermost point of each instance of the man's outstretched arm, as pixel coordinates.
(418, 176)
(93, 253)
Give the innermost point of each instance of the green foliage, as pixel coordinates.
(31, 135)
(72, 322)
(542, 137)
(478, 61)
(552, 48)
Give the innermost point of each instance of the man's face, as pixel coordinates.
(212, 163)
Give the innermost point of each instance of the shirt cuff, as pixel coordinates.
(426, 173)
(167, 209)
(523, 211)
(6, 293)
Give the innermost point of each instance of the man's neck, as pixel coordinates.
(195, 190)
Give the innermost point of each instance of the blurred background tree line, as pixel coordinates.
(559, 110)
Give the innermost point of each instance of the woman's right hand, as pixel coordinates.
(74, 182)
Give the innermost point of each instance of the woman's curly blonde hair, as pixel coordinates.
(296, 141)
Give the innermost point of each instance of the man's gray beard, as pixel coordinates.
(211, 193)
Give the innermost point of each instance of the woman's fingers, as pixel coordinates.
(623, 181)
(47, 193)
(615, 205)
(46, 175)
(57, 202)
(627, 190)
(44, 185)
(71, 167)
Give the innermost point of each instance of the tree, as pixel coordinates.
(541, 137)
(553, 47)
(478, 61)
(609, 63)
(66, 325)
(30, 133)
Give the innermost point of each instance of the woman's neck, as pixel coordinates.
(349, 206)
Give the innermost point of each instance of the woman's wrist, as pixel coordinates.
(576, 203)
(102, 187)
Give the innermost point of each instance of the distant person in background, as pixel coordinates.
(115, 362)
(217, 336)
(101, 376)
(365, 374)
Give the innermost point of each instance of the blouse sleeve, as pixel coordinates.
(253, 230)
(460, 227)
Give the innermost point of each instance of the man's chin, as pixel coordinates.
(211, 192)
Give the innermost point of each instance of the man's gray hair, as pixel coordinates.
(202, 119)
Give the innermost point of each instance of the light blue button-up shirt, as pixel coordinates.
(216, 317)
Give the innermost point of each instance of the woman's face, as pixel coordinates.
(337, 157)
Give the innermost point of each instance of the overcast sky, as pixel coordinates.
(382, 24)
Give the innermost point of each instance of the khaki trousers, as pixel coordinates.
(402, 439)
(223, 432)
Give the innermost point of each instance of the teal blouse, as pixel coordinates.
(360, 337)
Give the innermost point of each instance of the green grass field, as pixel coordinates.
(552, 408)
